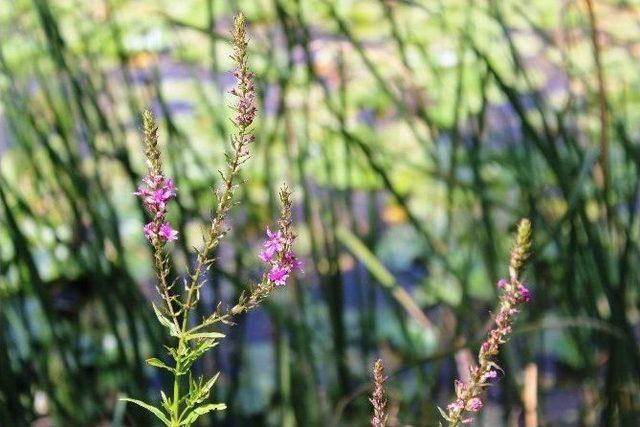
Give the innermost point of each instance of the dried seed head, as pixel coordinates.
(521, 250)
(239, 36)
(378, 400)
(285, 211)
(245, 89)
(151, 151)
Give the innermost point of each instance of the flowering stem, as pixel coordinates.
(156, 190)
(514, 293)
(155, 179)
(246, 110)
(377, 398)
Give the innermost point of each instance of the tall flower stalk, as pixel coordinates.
(377, 399)
(469, 395)
(188, 399)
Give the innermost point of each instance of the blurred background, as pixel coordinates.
(414, 134)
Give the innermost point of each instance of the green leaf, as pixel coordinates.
(166, 402)
(207, 386)
(199, 392)
(201, 410)
(443, 413)
(201, 335)
(159, 364)
(155, 411)
(165, 322)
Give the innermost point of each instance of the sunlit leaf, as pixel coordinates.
(158, 364)
(155, 411)
(165, 322)
(200, 335)
(201, 410)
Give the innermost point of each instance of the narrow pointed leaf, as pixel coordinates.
(201, 410)
(155, 411)
(158, 364)
(165, 322)
(200, 335)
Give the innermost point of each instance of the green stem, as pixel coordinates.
(175, 411)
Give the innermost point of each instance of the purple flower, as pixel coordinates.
(474, 404)
(289, 260)
(165, 193)
(148, 230)
(169, 189)
(155, 191)
(525, 293)
(158, 197)
(275, 241)
(266, 255)
(458, 405)
(489, 375)
(278, 275)
(167, 233)
(274, 244)
(484, 348)
(502, 283)
(277, 254)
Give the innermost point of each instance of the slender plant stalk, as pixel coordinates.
(514, 293)
(185, 406)
(378, 399)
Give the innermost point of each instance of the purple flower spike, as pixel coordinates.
(155, 191)
(277, 253)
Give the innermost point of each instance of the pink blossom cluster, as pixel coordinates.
(277, 253)
(246, 93)
(521, 293)
(468, 395)
(515, 293)
(156, 191)
(473, 404)
(377, 398)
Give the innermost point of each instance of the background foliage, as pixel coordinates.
(414, 134)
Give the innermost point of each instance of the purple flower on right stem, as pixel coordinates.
(513, 293)
(277, 253)
(274, 244)
(278, 275)
(525, 293)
